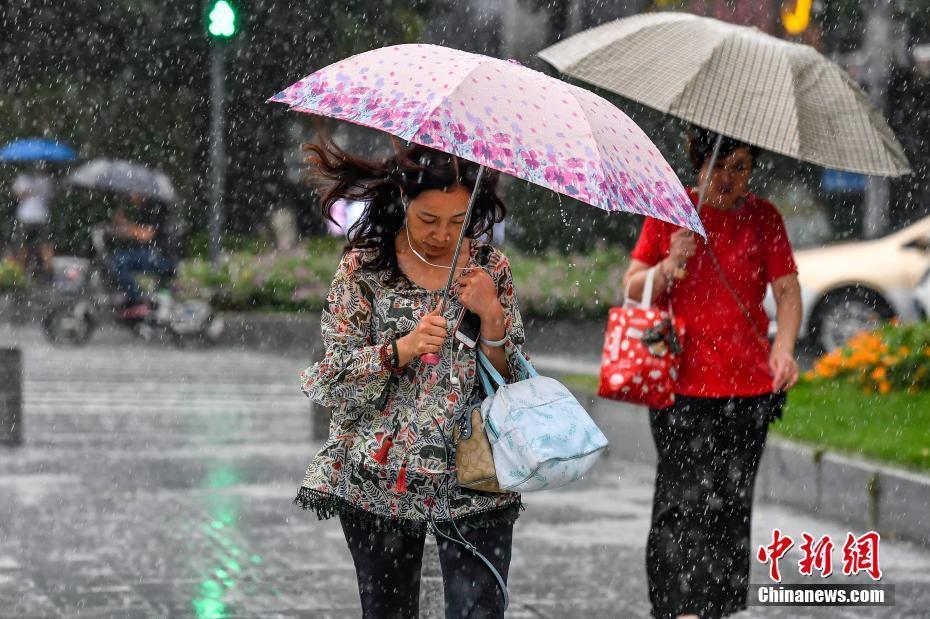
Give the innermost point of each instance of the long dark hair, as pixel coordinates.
(383, 184)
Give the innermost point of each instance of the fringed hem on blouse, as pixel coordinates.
(328, 506)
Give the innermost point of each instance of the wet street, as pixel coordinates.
(158, 482)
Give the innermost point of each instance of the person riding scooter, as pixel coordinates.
(140, 241)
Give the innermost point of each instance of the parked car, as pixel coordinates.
(922, 293)
(850, 287)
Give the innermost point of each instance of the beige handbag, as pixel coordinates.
(474, 462)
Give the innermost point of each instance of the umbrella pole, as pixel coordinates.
(433, 359)
(680, 272)
(458, 247)
(710, 168)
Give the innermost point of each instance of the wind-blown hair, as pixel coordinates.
(384, 184)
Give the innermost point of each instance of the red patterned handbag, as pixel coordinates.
(642, 350)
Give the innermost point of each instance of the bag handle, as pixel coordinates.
(495, 376)
(645, 301)
(482, 374)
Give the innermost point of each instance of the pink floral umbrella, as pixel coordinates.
(504, 116)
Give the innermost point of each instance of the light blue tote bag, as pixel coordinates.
(541, 437)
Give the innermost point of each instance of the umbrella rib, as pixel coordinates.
(867, 129)
(440, 102)
(630, 208)
(769, 63)
(597, 145)
(803, 153)
(793, 109)
(678, 103)
(893, 148)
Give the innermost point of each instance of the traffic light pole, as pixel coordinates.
(217, 150)
(878, 34)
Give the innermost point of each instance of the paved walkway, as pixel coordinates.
(157, 482)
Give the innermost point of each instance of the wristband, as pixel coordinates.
(389, 357)
(494, 343)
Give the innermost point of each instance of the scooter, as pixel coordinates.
(85, 294)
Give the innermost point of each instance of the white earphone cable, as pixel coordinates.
(438, 266)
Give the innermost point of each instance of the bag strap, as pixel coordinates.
(461, 538)
(485, 382)
(761, 339)
(471, 548)
(488, 367)
(645, 301)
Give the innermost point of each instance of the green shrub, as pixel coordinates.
(12, 277)
(549, 285)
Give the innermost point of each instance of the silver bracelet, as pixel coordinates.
(494, 343)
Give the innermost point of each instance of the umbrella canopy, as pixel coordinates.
(505, 116)
(737, 81)
(123, 177)
(37, 150)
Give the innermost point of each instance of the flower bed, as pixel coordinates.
(893, 358)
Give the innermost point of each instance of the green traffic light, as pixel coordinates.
(222, 18)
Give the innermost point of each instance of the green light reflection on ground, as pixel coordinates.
(209, 601)
(209, 605)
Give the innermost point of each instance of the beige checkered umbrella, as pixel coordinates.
(737, 81)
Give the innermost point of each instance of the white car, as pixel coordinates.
(922, 295)
(850, 287)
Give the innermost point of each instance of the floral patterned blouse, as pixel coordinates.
(385, 461)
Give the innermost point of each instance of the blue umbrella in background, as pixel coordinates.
(37, 150)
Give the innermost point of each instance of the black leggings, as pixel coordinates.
(697, 554)
(387, 565)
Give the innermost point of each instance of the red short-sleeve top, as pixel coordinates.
(723, 355)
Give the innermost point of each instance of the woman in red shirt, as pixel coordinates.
(731, 382)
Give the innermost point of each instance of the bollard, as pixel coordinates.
(319, 421)
(432, 597)
(11, 396)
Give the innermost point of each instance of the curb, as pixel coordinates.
(863, 494)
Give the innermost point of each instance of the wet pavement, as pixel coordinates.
(158, 482)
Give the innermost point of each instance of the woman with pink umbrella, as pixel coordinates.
(400, 362)
(388, 290)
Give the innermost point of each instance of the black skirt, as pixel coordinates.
(698, 553)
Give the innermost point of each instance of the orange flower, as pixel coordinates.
(878, 374)
(884, 387)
